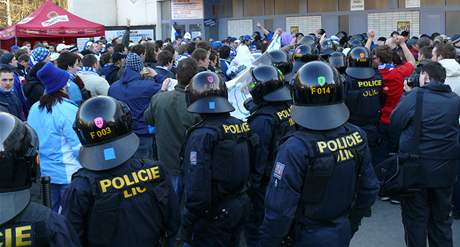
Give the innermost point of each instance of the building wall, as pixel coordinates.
(116, 12)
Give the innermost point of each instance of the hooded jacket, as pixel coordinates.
(136, 93)
(452, 73)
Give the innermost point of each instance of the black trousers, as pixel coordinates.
(427, 214)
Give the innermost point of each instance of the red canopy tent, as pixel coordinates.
(52, 23)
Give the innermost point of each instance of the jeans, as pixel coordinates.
(57, 196)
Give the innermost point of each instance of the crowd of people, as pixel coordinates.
(141, 149)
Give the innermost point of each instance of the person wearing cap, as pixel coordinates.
(22, 222)
(9, 101)
(136, 93)
(51, 117)
(216, 167)
(40, 54)
(364, 95)
(325, 155)
(270, 121)
(116, 199)
(63, 47)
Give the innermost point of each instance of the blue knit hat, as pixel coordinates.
(53, 78)
(134, 62)
(40, 53)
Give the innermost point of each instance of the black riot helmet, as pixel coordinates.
(305, 53)
(338, 60)
(328, 47)
(207, 93)
(18, 164)
(319, 97)
(360, 63)
(355, 43)
(103, 125)
(308, 41)
(268, 85)
(281, 61)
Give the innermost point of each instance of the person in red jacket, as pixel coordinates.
(393, 78)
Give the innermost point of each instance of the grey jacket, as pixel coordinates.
(168, 113)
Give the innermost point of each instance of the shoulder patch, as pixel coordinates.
(278, 171)
(193, 158)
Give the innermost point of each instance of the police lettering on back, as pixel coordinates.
(16, 236)
(341, 146)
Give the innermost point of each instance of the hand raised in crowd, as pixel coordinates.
(371, 35)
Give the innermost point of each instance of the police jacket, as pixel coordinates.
(317, 177)
(216, 163)
(269, 123)
(365, 99)
(136, 93)
(130, 205)
(439, 132)
(38, 226)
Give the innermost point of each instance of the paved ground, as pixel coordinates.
(384, 228)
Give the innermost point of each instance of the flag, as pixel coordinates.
(173, 33)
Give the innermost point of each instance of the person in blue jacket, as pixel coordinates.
(22, 222)
(116, 199)
(270, 121)
(216, 163)
(426, 213)
(136, 93)
(323, 178)
(52, 118)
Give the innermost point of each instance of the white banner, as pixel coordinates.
(412, 3)
(186, 9)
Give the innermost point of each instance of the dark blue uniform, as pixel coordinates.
(129, 205)
(216, 162)
(269, 123)
(40, 227)
(364, 99)
(319, 178)
(426, 213)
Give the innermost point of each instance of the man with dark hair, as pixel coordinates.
(139, 50)
(393, 78)
(424, 57)
(224, 60)
(23, 65)
(168, 112)
(203, 45)
(433, 135)
(70, 62)
(422, 42)
(94, 83)
(202, 58)
(165, 62)
(8, 99)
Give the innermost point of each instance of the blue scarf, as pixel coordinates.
(386, 66)
(88, 69)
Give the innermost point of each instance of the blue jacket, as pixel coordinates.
(306, 151)
(163, 73)
(224, 64)
(59, 144)
(10, 102)
(136, 93)
(440, 128)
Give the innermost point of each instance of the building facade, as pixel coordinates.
(222, 18)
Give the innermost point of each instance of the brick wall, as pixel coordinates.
(385, 23)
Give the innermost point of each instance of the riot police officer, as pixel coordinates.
(364, 95)
(216, 162)
(115, 199)
(302, 55)
(338, 60)
(22, 222)
(270, 121)
(322, 173)
(281, 61)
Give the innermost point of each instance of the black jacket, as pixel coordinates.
(439, 131)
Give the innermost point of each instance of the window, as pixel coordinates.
(322, 5)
